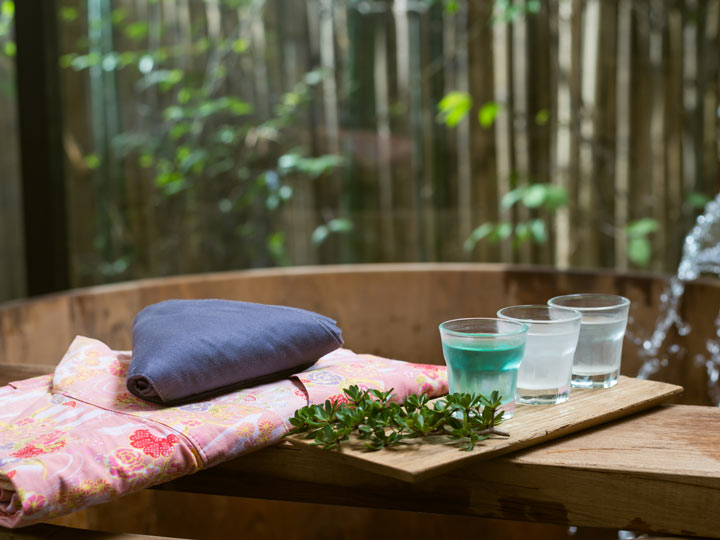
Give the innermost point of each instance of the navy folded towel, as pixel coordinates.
(185, 350)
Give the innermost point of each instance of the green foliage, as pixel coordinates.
(697, 200)
(508, 11)
(547, 198)
(639, 249)
(488, 112)
(374, 417)
(454, 107)
(542, 117)
(7, 15)
(199, 139)
(336, 225)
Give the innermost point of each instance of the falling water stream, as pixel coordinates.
(701, 255)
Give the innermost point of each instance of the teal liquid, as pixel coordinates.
(483, 368)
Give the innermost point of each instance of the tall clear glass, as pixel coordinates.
(483, 355)
(546, 368)
(599, 350)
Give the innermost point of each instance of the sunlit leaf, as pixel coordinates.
(535, 195)
(454, 107)
(68, 13)
(240, 45)
(9, 48)
(137, 30)
(488, 112)
(92, 161)
(8, 8)
(512, 196)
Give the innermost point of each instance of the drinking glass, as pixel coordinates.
(483, 355)
(546, 368)
(599, 350)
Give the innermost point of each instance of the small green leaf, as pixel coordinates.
(488, 112)
(454, 107)
(538, 231)
(92, 161)
(68, 13)
(503, 230)
(555, 197)
(513, 196)
(478, 234)
(535, 195)
(639, 251)
(696, 199)
(9, 48)
(8, 8)
(240, 45)
(137, 30)
(641, 227)
(542, 117)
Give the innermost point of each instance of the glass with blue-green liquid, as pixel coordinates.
(483, 355)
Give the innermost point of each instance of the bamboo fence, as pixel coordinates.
(617, 101)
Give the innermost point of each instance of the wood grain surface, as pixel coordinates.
(657, 471)
(531, 425)
(55, 532)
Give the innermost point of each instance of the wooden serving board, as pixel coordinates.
(419, 459)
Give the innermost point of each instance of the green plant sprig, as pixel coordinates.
(374, 417)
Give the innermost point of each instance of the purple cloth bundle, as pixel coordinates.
(185, 350)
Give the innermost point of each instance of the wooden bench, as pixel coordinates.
(656, 472)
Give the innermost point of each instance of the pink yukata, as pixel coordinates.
(78, 438)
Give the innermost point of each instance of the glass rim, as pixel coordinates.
(621, 301)
(576, 315)
(523, 328)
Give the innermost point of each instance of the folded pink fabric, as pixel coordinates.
(78, 438)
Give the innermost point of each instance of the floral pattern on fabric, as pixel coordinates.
(78, 437)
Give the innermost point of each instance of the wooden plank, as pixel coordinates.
(419, 460)
(55, 532)
(18, 372)
(654, 472)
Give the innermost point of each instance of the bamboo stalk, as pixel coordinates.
(673, 134)
(503, 123)
(586, 184)
(690, 97)
(384, 141)
(710, 98)
(519, 118)
(657, 131)
(461, 77)
(563, 134)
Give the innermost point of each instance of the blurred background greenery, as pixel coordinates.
(205, 135)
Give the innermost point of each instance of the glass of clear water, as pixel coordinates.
(599, 349)
(546, 368)
(483, 355)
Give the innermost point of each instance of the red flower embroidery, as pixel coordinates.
(70, 404)
(150, 444)
(338, 398)
(27, 451)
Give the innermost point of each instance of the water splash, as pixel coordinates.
(701, 255)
